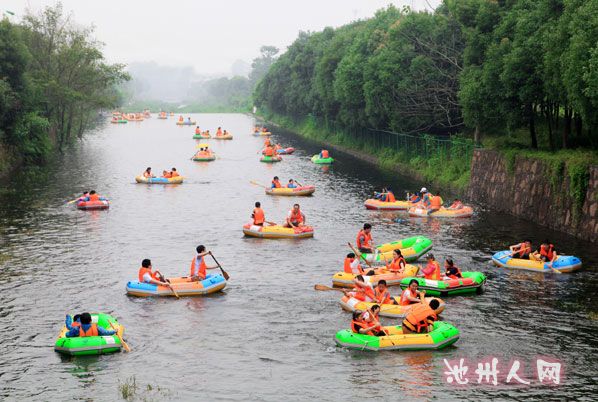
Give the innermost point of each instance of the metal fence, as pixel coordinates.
(412, 145)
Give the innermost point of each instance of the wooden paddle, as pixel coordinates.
(173, 291)
(75, 200)
(324, 287)
(257, 184)
(226, 276)
(120, 338)
(357, 253)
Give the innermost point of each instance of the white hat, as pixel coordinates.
(423, 190)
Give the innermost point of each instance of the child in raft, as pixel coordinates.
(87, 328)
(148, 173)
(411, 295)
(451, 270)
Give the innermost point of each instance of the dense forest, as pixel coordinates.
(53, 81)
(480, 67)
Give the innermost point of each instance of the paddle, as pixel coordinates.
(226, 276)
(356, 252)
(173, 291)
(257, 184)
(327, 288)
(120, 338)
(75, 200)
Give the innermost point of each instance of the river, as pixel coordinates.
(269, 335)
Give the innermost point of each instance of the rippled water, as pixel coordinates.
(269, 335)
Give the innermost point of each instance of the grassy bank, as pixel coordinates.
(446, 171)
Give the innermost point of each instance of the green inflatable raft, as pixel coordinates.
(322, 161)
(411, 247)
(270, 159)
(443, 335)
(91, 345)
(471, 283)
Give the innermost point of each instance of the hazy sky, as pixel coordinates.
(208, 35)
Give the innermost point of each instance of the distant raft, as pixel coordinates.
(270, 159)
(442, 335)
(420, 212)
(564, 263)
(223, 137)
(471, 283)
(202, 136)
(412, 248)
(91, 345)
(278, 232)
(182, 286)
(91, 205)
(322, 161)
(387, 206)
(345, 279)
(119, 121)
(386, 310)
(185, 123)
(285, 151)
(297, 191)
(204, 157)
(159, 180)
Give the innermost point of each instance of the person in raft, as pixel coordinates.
(197, 130)
(276, 182)
(198, 265)
(397, 265)
(420, 319)
(145, 274)
(382, 295)
(259, 217)
(188, 120)
(324, 154)
(174, 173)
(87, 328)
(432, 268)
(292, 184)
(364, 239)
(386, 195)
(269, 151)
(93, 196)
(352, 265)
(295, 218)
(181, 118)
(361, 290)
(74, 321)
(546, 253)
(366, 323)
(457, 204)
(521, 250)
(411, 295)
(451, 271)
(166, 174)
(425, 197)
(219, 132)
(148, 173)
(435, 203)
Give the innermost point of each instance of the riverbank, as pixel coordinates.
(453, 178)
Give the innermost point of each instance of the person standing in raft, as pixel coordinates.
(364, 239)
(148, 173)
(521, 250)
(295, 218)
(432, 269)
(420, 319)
(198, 265)
(411, 295)
(87, 328)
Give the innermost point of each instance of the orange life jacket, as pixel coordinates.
(435, 274)
(547, 252)
(296, 216)
(146, 174)
(197, 130)
(94, 197)
(367, 240)
(396, 264)
(418, 316)
(174, 174)
(404, 300)
(267, 142)
(381, 297)
(219, 132)
(92, 331)
(276, 183)
(143, 271)
(168, 175)
(201, 272)
(75, 324)
(347, 266)
(390, 197)
(258, 216)
(269, 151)
(361, 323)
(325, 153)
(435, 202)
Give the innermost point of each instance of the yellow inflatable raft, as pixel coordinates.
(305, 190)
(278, 232)
(420, 212)
(386, 310)
(387, 206)
(159, 180)
(344, 279)
(223, 137)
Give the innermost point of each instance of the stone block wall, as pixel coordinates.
(529, 192)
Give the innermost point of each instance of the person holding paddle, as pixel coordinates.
(258, 216)
(87, 328)
(198, 264)
(146, 275)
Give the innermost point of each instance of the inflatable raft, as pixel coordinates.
(183, 286)
(305, 190)
(472, 282)
(270, 159)
(121, 121)
(186, 123)
(91, 345)
(285, 151)
(443, 335)
(386, 310)
(387, 206)
(206, 158)
(159, 180)
(202, 136)
(322, 161)
(278, 232)
(91, 205)
(412, 248)
(223, 137)
(420, 212)
(344, 279)
(564, 263)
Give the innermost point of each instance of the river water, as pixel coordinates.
(269, 335)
